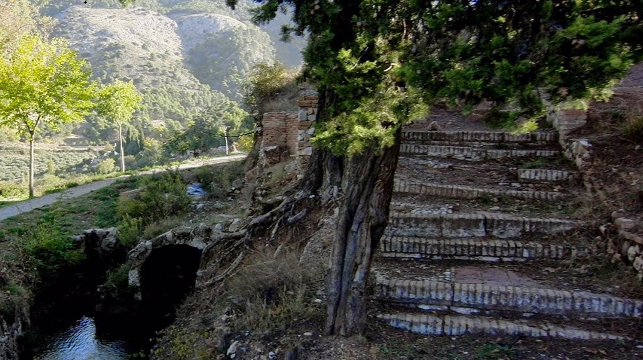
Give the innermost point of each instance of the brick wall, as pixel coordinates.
(291, 130)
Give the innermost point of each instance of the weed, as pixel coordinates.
(495, 351)
(536, 163)
(633, 128)
(117, 280)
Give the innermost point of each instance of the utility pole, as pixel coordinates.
(227, 152)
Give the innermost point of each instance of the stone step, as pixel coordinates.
(468, 225)
(476, 250)
(545, 175)
(473, 153)
(470, 192)
(479, 137)
(492, 298)
(455, 325)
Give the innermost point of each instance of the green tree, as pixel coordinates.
(211, 128)
(42, 83)
(117, 102)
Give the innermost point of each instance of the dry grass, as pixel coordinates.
(271, 291)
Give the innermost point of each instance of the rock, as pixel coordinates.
(624, 224)
(232, 349)
(291, 167)
(237, 183)
(618, 214)
(633, 252)
(308, 334)
(235, 225)
(495, 208)
(199, 207)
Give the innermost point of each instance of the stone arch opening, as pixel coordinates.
(167, 276)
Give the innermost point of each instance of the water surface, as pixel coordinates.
(80, 342)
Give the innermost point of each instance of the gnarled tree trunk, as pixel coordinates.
(368, 186)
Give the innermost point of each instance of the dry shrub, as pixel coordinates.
(272, 290)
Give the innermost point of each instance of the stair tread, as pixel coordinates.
(480, 249)
(454, 325)
(472, 192)
(542, 276)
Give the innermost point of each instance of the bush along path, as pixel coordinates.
(486, 235)
(36, 203)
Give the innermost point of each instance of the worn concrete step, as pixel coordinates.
(454, 325)
(548, 175)
(470, 192)
(524, 300)
(476, 249)
(467, 225)
(473, 153)
(479, 137)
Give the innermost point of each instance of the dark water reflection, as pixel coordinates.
(79, 342)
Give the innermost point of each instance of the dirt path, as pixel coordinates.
(35, 203)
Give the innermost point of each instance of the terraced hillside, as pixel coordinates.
(486, 236)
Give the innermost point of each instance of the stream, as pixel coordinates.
(81, 342)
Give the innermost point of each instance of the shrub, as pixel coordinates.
(51, 251)
(12, 190)
(217, 181)
(162, 196)
(159, 227)
(106, 166)
(130, 230)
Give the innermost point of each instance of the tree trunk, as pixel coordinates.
(368, 186)
(120, 139)
(32, 140)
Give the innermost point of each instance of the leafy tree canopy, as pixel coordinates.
(43, 83)
(118, 101)
(409, 52)
(207, 130)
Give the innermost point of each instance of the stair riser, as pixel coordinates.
(460, 325)
(545, 175)
(474, 225)
(479, 137)
(466, 192)
(472, 154)
(508, 299)
(479, 250)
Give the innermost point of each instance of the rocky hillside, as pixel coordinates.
(183, 56)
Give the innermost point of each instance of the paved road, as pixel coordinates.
(35, 203)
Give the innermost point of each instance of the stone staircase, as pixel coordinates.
(476, 235)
